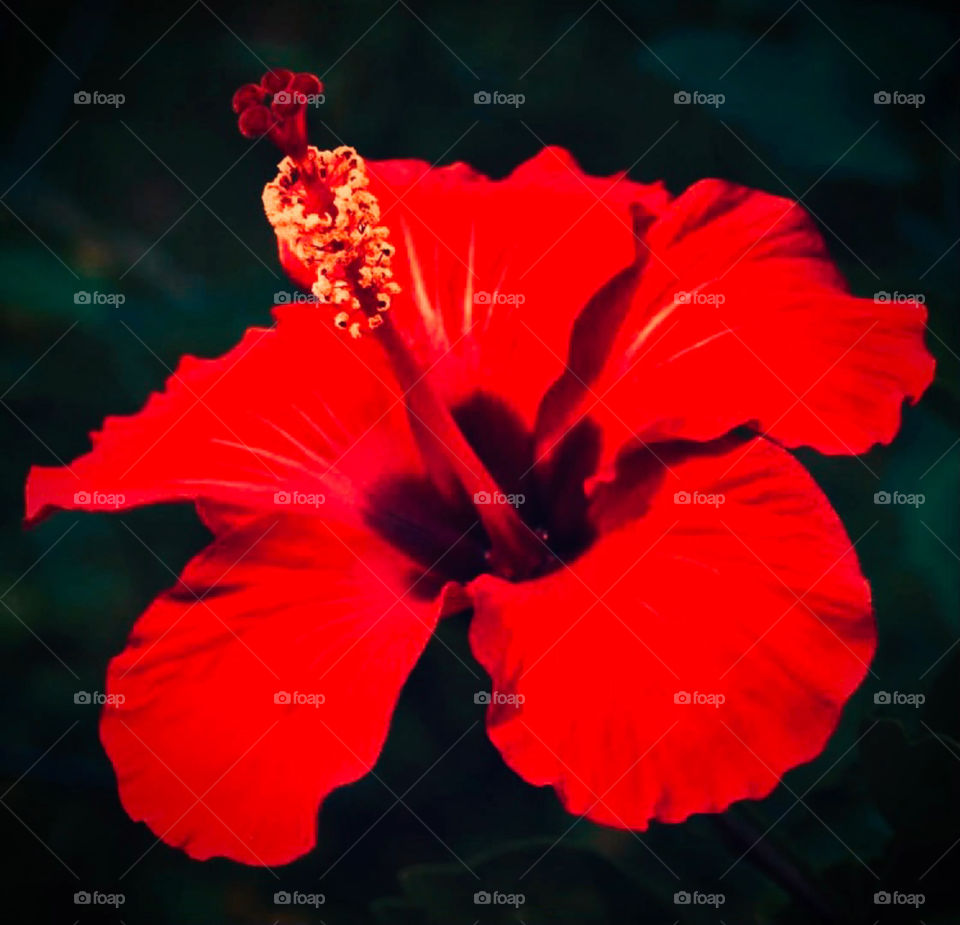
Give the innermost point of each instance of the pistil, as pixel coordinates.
(331, 241)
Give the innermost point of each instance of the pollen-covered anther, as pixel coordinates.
(326, 219)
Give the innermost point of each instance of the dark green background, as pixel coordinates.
(598, 79)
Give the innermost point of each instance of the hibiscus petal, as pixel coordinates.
(757, 599)
(287, 410)
(741, 318)
(494, 273)
(263, 680)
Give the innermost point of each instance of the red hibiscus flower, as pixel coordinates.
(563, 402)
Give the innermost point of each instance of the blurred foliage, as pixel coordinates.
(112, 206)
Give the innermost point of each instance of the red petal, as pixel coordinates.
(266, 417)
(204, 753)
(548, 234)
(769, 336)
(693, 598)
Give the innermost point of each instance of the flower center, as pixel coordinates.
(331, 241)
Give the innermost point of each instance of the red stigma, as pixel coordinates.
(276, 107)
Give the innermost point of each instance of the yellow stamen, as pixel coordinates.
(322, 212)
